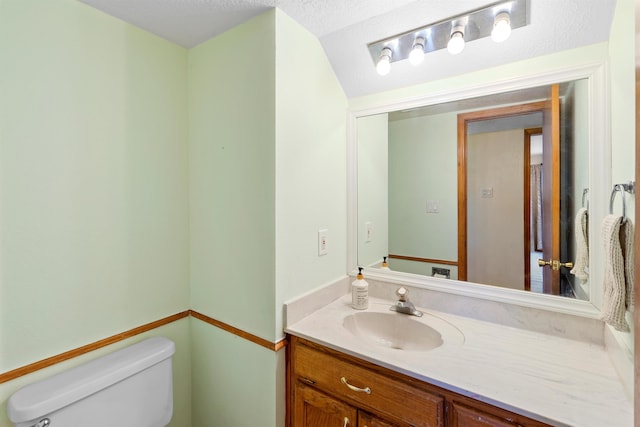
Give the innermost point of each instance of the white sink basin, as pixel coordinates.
(401, 331)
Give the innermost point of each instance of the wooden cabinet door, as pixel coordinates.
(315, 409)
(367, 420)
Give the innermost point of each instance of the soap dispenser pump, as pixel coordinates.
(385, 265)
(360, 292)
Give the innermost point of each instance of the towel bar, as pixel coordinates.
(630, 188)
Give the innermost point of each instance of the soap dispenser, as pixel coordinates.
(360, 292)
(385, 265)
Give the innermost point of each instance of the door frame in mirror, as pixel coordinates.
(599, 186)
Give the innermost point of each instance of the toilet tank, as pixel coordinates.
(132, 387)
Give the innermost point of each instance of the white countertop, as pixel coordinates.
(555, 380)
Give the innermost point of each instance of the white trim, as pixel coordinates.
(599, 177)
(600, 166)
(352, 193)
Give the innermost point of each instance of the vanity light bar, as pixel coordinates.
(473, 25)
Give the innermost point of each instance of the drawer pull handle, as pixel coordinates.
(354, 388)
(307, 380)
(346, 422)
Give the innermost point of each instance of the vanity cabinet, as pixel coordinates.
(328, 388)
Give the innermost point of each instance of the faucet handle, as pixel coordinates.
(402, 294)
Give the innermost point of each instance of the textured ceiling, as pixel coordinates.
(345, 27)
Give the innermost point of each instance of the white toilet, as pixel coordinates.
(132, 387)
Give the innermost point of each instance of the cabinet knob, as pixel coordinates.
(346, 422)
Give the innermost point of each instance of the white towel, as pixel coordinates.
(614, 287)
(626, 244)
(581, 266)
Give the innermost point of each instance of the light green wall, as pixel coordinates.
(232, 198)
(310, 165)
(93, 179)
(622, 72)
(232, 176)
(373, 188)
(235, 382)
(267, 170)
(426, 146)
(622, 48)
(98, 130)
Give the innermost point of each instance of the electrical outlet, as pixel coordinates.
(323, 242)
(487, 193)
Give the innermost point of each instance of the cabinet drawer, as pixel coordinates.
(466, 415)
(391, 398)
(463, 416)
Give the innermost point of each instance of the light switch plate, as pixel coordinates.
(368, 231)
(432, 206)
(323, 242)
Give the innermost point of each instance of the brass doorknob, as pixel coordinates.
(554, 264)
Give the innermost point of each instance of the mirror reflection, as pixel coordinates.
(490, 190)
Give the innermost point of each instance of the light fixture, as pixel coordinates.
(384, 62)
(417, 51)
(496, 20)
(501, 27)
(456, 41)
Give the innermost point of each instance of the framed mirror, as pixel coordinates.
(449, 188)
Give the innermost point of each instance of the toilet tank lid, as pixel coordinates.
(46, 396)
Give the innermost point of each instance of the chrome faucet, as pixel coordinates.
(403, 305)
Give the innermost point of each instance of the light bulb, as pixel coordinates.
(456, 42)
(384, 63)
(417, 51)
(501, 27)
